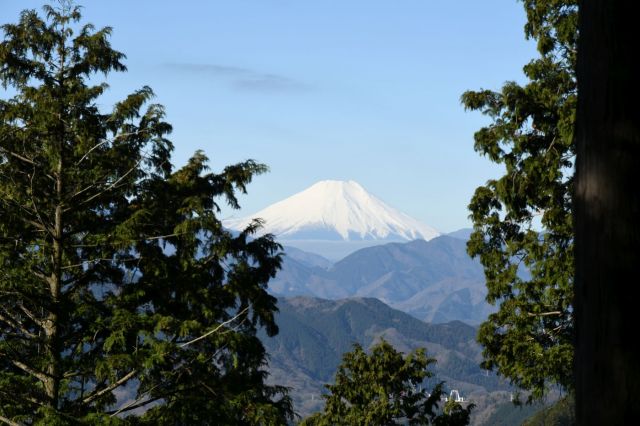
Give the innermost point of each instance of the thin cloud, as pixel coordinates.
(243, 79)
(270, 83)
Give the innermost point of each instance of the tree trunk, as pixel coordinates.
(52, 385)
(607, 215)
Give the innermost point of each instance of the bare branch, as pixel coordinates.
(136, 403)
(544, 314)
(215, 329)
(19, 157)
(99, 259)
(207, 387)
(113, 184)
(97, 394)
(9, 421)
(91, 150)
(98, 145)
(31, 315)
(40, 274)
(38, 225)
(35, 373)
(86, 188)
(70, 374)
(132, 240)
(15, 324)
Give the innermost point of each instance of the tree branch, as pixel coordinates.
(113, 184)
(9, 421)
(91, 150)
(97, 394)
(135, 404)
(31, 316)
(24, 367)
(544, 314)
(215, 329)
(15, 324)
(38, 225)
(99, 144)
(14, 396)
(19, 157)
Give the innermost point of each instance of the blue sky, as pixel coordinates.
(323, 89)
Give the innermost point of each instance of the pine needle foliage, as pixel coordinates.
(120, 291)
(385, 388)
(523, 228)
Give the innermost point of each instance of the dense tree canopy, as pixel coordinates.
(384, 388)
(523, 230)
(119, 288)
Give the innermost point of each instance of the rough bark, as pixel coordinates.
(607, 214)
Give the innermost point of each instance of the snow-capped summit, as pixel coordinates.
(336, 210)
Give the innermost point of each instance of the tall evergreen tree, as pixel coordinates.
(117, 277)
(523, 230)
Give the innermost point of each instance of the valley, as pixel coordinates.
(356, 270)
(314, 333)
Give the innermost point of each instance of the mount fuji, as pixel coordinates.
(335, 218)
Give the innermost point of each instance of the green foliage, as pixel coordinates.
(453, 414)
(318, 332)
(562, 413)
(523, 220)
(118, 280)
(383, 389)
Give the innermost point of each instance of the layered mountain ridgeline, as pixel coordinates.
(314, 333)
(434, 280)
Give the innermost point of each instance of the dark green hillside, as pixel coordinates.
(562, 413)
(314, 333)
(508, 414)
(315, 326)
(303, 344)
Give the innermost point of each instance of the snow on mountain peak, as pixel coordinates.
(336, 210)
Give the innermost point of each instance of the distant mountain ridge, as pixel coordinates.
(315, 333)
(333, 218)
(307, 258)
(463, 234)
(434, 280)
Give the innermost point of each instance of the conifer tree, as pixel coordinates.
(385, 388)
(119, 288)
(523, 230)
